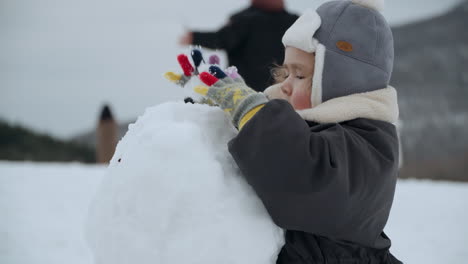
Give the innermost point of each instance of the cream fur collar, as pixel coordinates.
(377, 105)
(380, 105)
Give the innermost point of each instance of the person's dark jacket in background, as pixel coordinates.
(252, 41)
(330, 186)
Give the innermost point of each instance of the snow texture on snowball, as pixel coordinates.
(372, 4)
(173, 194)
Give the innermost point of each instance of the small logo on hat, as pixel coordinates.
(344, 46)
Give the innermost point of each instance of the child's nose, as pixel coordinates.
(286, 88)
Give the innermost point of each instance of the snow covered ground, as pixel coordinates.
(43, 208)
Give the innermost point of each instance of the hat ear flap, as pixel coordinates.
(301, 34)
(317, 89)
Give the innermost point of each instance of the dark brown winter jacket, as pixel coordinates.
(330, 185)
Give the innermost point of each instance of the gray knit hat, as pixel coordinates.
(353, 47)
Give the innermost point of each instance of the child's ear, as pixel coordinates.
(278, 73)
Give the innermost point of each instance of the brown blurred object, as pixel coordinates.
(106, 136)
(450, 168)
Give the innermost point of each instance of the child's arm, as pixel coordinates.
(326, 179)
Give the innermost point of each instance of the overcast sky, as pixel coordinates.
(60, 60)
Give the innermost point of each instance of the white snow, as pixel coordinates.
(42, 211)
(429, 222)
(43, 207)
(173, 194)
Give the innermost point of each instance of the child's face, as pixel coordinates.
(295, 78)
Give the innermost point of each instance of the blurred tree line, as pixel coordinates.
(20, 144)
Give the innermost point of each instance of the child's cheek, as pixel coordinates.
(300, 99)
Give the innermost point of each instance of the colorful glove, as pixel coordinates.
(189, 71)
(181, 79)
(231, 94)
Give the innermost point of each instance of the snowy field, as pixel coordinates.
(43, 207)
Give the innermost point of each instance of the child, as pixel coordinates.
(322, 151)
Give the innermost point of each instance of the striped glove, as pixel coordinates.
(231, 94)
(189, 71)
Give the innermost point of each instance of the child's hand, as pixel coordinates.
(189, 71)
(231, 94)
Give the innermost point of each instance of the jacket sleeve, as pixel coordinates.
(228, 37)
(314, 179)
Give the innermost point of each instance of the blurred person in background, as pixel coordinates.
(251, 39)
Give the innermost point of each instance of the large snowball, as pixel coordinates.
(173, 194)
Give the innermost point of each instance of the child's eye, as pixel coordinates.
(300, 77)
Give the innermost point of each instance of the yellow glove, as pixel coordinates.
(232, 95)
